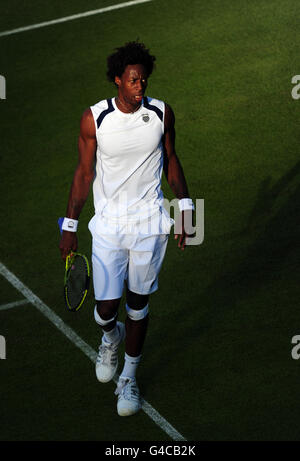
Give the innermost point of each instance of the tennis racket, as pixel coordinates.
(76, 279)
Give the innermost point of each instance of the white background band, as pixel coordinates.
(69, 225)
(186, 204)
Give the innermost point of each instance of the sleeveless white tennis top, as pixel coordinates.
(129, 162)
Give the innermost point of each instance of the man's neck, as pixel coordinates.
(127, 108)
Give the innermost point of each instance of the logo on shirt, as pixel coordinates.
(145, 118)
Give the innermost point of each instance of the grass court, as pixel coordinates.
(217, 361)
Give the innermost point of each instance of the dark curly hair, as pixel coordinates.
(130, 53)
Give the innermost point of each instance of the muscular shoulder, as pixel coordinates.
(87, 124)
(169, 117)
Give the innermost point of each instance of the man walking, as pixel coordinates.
(124, 144)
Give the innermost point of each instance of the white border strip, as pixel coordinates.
(3, 307)
(71, 18)
(82, 345)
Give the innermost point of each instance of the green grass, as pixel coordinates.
(217, 362)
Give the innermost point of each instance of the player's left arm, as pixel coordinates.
(173, 169)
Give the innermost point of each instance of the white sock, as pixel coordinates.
(112, 336)
(130, 366)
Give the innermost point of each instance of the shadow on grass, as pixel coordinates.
(274, 228)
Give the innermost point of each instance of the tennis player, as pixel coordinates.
(124, 144)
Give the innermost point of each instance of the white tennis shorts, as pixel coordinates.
(131, 257)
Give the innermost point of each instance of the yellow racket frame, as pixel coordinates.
(69, 261)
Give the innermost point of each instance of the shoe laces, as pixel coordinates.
(127, 388)
(106, 353)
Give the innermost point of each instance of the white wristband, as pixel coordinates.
(186, 204)
(69, 225)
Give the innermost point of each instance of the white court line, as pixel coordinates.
(82, 345)
(71, 18)
(3, 307)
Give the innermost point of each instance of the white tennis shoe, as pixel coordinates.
(128, 396)
(107, 360)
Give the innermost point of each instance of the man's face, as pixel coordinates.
(132, 84)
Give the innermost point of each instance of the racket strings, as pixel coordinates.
(76, 283)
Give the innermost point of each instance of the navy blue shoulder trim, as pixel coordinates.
(105, 112)
(154, 108)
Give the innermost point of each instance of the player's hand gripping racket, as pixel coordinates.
(76, 279)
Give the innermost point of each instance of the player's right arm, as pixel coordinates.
(83, 176)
